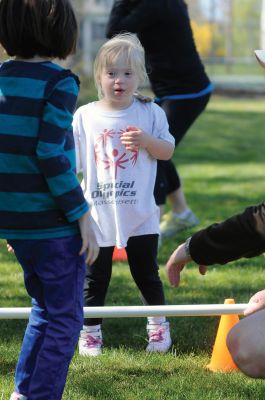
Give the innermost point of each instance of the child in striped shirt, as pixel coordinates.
(43, 212)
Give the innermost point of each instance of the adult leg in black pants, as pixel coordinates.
(180, 114)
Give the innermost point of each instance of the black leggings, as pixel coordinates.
(180, 115)
(141, 253)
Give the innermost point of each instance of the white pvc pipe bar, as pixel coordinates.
(140, 311)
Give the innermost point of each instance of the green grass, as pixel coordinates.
(222, 163)
(252, 68)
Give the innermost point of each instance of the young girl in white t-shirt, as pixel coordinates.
(118, 140)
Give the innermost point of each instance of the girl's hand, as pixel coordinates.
(9, 248)
(134, 138)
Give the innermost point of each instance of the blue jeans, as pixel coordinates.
(54, 278)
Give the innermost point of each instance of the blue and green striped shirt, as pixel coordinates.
(40, 196)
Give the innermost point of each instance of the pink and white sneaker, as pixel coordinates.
(17, 396)
(158, 337)
(90, 341)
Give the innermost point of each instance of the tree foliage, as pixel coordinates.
(246, 26)
(230, 28)
(203, 36)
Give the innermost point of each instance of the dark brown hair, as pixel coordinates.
(47, 28)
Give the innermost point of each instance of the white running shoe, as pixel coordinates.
(159, 337)
(90, 341)
(171, 224)
(17, 396)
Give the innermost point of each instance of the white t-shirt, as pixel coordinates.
(119, 184)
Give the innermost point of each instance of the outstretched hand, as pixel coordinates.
(256, 303)
(177, 262)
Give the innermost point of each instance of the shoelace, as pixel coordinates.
(92, 341)
(157, 336)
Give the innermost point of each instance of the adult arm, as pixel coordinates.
(242, 235)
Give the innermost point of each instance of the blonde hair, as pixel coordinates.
(125, 45)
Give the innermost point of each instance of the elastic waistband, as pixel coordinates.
(201, 93)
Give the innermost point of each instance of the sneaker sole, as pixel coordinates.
(159, 351)
(85, 354)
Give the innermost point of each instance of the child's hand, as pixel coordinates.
(177, 262)
(9, 248)
(134, 138)
(256, 303)
(89, 242)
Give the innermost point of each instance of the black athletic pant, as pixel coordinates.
(180, 115)
(141, 253)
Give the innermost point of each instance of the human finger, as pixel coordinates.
(173, 274)
(253, 307)
(203, 269)
(92, 254)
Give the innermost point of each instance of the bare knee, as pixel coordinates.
(246, 351)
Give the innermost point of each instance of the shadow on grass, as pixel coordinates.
(173, 378)
(7, 368)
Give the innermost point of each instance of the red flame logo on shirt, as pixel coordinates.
(111, 154)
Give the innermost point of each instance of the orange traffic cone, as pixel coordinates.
(221, 360)
(119, 255)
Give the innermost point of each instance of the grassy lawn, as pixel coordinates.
(222, 163)
(235, 69)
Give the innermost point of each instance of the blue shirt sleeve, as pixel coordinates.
(54, 153)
